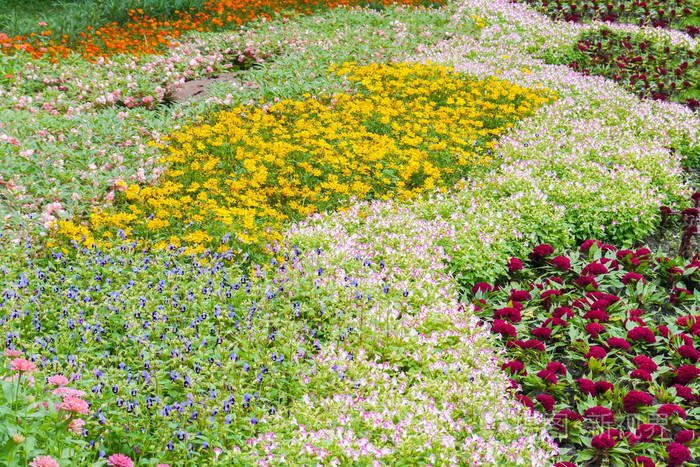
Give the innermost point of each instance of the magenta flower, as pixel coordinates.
(685, 374)
(685, 393)
(119, 460)
(482, 287)
(602, 415)
(596, 352)
(559, 417)
(606, 440)
(508, 314)
(686, 436)
(519, 296)
(635, 399)
(594, 329)
(586, 246)
(503, 328)
(557, 368)
(533, 344)
(594, 269)
(543, 333)
(540, 251)
(585, 281)
(633, 277)
(514, 367)
(586, 386)
(548, 376)
(643, 375)
(641, 333)
(677, 454)
(625, 254)
(563, 311)
(561, 262)
(603, 386)
(618, 343)
(526, 401)
(599, 315)
(642, 461)
(668, 410)
(547, 402)
(514, 264)
(689, 352)
(648, 431)
(553, 322)
(645, 363)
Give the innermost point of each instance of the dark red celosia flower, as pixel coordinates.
(685, 374)
(600, 315)
(597, 295)
(562, 311)
(632, 439)
(514, 264)
(503, 328)
(642, 461)
(688, 321)
(515, 343)
(514, 367)
(594, 329)
(600, 304)
(603, 386)
(564, 464)
(533, 344)
(547, 376)
(513, 384)
(686, 436)
(677, 454)
(540, 251)
(526, 401)
(554, 279)
(635, 313)
(519, 295)
(625, 254)
(618, 343)
(645, 363)
(517, 305)
(687, 340)
(602, 415)
(509, 314)
(547, 402)
(643, 253)
(586, 386)
(605, 247)
(550, 293)
(643, 375)
(689, 352)
(557, 368)
(580, 303)
(596, 352)
(585, 281)
(685, 392)
(648, 431)
(675, 270)
(610, 263)
(635, 399)
(561, 262)
(663, 330)
(603, 441)
(633, 277)
(543, 333)
(482, 287)
(668, 410)
(594, 269)
(552, 322)
(559, 417)
(641, 333)
(586, 246)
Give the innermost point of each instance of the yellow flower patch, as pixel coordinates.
(407, 130)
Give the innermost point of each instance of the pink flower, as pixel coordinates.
(632, 277)
(547, 402)
(58, 380)
(641, 333)
(645, 363)
(12, 353)
(76, 425)
(120, 460)
(43, 461)
(23, 365)
(68, 392)
(75, 404)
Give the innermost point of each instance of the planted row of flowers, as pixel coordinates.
(604, 341)
(409, 129)
(143, 34)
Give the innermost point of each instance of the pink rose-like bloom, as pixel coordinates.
(23, 365)
(164, 465)
(119, 460)
(43, 461)
(76, 425)
(58, 380)
(12, 353)
(68, 392)
(75, 404)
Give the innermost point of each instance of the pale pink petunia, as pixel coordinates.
(43, 461)
(75, 404)
(23, 365)
(12, 353)
(120, 460)
(58, 380)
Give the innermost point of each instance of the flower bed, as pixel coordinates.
(603, 341)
